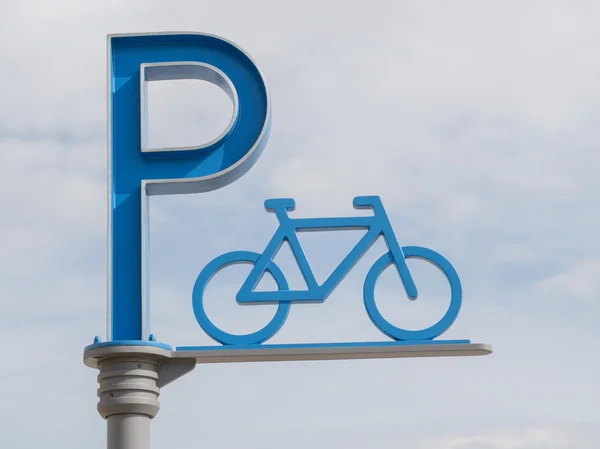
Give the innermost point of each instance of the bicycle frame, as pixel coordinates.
(376, 226)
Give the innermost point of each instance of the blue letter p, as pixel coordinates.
(136, 171)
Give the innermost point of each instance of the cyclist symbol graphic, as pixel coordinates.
(377, 225)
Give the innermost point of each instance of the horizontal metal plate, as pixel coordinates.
(330, 351)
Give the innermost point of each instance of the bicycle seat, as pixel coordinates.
(366, 202)
(275, 204)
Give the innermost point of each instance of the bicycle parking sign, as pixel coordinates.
(137, 171)
(134, 367)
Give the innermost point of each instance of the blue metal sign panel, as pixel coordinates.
(137, 171)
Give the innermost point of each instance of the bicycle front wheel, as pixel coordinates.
(213, 331)
(397, 333)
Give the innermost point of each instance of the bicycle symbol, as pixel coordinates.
(376, 225)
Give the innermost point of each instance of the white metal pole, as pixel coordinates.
(128, 432)
(129, 381)
(128, 392)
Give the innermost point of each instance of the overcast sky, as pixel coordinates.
(476, 122)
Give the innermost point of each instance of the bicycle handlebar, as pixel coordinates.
(366, 202)
(289, 204)
(274, 204)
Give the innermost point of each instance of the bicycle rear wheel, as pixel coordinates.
(398, 333)
(213, 331)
